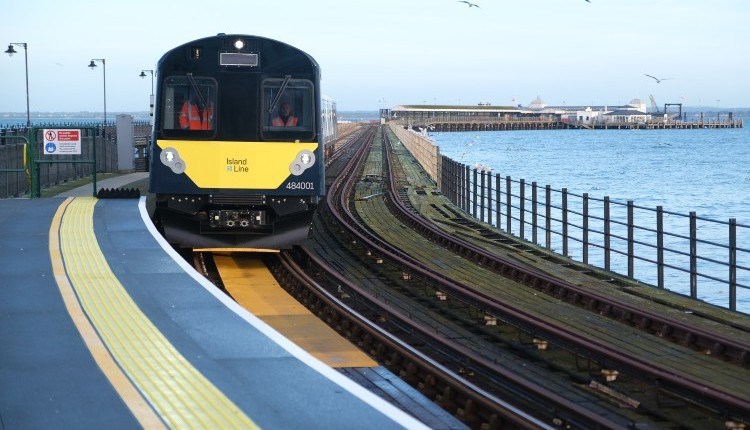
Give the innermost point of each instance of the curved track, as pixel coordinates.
(726, 400)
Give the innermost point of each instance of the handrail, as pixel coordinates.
(654, 246)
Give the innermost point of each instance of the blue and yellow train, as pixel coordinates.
(237, 147)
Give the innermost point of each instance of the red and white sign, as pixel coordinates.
(62, 141)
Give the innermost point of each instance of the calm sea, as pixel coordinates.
(706, 170)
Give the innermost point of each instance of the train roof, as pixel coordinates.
(251, 43)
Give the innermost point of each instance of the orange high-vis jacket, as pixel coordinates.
(291, 121)
(191, 117)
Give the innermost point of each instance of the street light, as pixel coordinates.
(12, 51)
(151, 106)
(92, 65)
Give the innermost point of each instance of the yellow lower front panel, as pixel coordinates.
(234, 165)
(250, 283)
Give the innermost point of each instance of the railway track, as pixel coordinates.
(723, 403)
(439, 317)
(684, 325)
(560, 411)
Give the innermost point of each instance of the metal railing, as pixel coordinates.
(669, 250)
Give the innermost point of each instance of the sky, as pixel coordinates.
(383, 53)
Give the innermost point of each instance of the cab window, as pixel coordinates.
(288, 108)
(189, 106)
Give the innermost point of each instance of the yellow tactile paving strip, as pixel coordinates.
(177, 392)
(250, 283)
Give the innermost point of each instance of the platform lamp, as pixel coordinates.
(92, 65)
(10, 51)
(151, 106)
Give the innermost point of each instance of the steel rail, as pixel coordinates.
(486, 402)
(730, 348)
(567, 338)
(343, 185)
(570, 411)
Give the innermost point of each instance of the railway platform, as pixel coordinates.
(103, 325)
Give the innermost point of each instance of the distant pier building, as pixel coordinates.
(537, 115)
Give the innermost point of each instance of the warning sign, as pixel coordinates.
(62, 142)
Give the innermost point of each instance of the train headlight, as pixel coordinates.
(171, 158)
(239, 44)
(304, 160)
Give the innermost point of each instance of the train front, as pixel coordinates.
(237, 157)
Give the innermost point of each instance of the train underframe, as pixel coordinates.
(227, 221)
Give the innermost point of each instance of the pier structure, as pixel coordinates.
(539, 116)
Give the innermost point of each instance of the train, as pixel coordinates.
(237, 148)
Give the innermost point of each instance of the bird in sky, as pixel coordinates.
(469, 4)
(657, 79)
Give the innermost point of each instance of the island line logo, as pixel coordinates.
(235, 165)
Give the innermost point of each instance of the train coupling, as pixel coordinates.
(237, 219)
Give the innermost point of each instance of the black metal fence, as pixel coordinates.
(669, 250)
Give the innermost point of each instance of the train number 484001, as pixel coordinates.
(300, 186)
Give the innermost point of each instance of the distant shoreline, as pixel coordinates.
(43, 115)
(19, 118)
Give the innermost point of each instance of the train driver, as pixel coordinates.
(196, 116)
(284, 116)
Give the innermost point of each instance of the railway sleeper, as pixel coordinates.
(468, 414)
(428, 386)
(628, 317)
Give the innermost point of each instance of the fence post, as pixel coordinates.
(508, 205)
(565, 222)
(585, 228)
(474, 195)
(498, 201)
(459, 185)
(533, 212)
(607, 234)
(481, 197)
(489, 198)
(451, 179)
(467, 188)
(548, 221)
(522, 208)
(631, 232)
(660, 246)
(444, 187)
(693, 256)
(733, 264)
(455, 182)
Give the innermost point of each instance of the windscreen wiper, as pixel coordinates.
(276, 99)
(201, 99)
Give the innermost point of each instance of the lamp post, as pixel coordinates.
(92, 65)
(151, 106)
(10, 51)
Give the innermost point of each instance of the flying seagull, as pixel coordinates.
(470, 4)
(657, 79)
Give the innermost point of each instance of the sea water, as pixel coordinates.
(706, 171)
